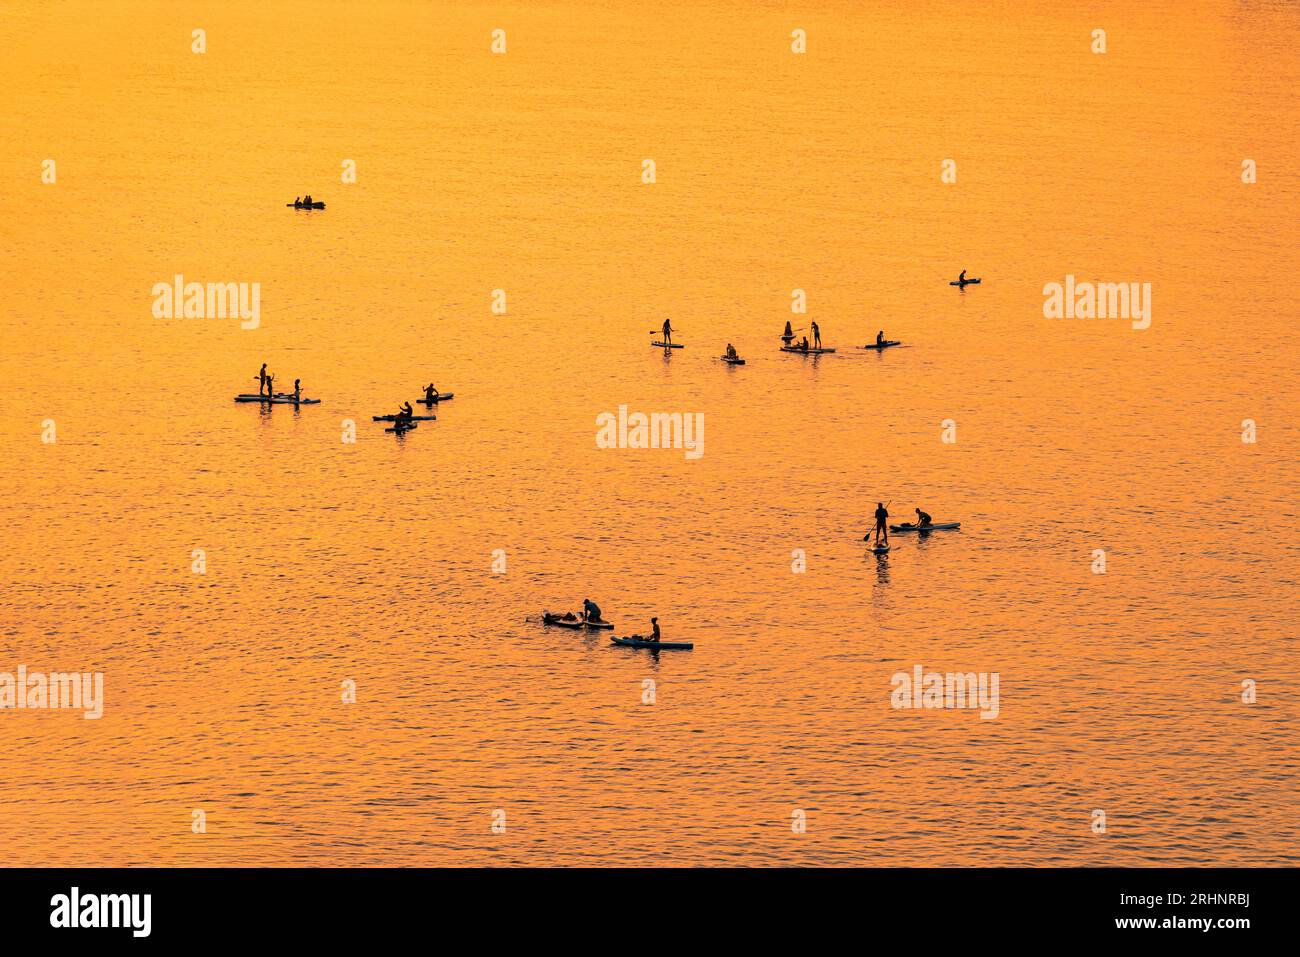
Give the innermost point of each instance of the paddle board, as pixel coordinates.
(936, 527)
(666, 345)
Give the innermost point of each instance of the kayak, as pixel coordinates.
(937, 526)
(964, 282)
(403, 428)
(882, 345)
(306, 205)
(805, 352)
(598, 624)
(278, 400)
(666, 345)
(440, 397)
(657, 645)
(393, 418)
(732, 362)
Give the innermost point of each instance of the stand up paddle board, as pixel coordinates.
(936, 527)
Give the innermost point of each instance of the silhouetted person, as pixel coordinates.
(817, 336)
(590, 610)
(668, 332)
(922, 519)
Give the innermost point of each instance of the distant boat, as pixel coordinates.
(316, 205)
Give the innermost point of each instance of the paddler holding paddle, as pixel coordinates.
(788, 335)
(668, 332)
(817, 336)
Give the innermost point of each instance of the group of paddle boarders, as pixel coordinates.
(788, 337)
(266, 386)
(923, 520)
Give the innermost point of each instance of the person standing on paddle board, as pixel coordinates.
(297, 389)
(923, 520)
(788, 335)
(817, 336)
(261, 380)
(882, 522)
(590, 610)
(668, 332)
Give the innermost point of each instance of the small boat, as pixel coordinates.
(665, 345)
(440, 397)
(810, 351)
(315, 205)
(393, 418)
(276, 400)
(964, 282)
(737, 361)
(936, 527)
(881, 345)
(638, 642)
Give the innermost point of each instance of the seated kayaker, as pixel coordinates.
(880, 337)
(590, 610)
(307, 201)
(430, 393)
(922, 519)
(803, 344)
(731, 351)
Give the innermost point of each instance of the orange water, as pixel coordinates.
(373, 561)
